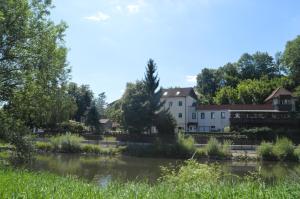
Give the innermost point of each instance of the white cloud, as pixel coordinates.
(191, 79)
(135, 8)
(100, 16)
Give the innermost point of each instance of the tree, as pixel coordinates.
(151, 82)
(93, 117)
(101, 104)
(264, 65)
(230, 74)
(208, 82)
(226, 95)
(165, 124)
(135, 116)
(33, 67)
(291, 58)
(83, 97)
(114, 111)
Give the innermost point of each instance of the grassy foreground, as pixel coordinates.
(193, 180)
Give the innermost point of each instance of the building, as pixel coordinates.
(182, 103)
(190, 117)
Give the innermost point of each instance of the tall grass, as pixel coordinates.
(283, 149)
(192, 180)
(215, 148)
(66, 143)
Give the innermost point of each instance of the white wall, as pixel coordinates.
(186, 110)
(205, 125)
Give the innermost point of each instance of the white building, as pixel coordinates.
(190, 117)
(182, 103)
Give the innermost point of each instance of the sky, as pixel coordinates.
(110, 41)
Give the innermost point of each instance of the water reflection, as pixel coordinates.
(102, 170)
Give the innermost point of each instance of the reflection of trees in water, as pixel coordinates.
(101, 169)
(279, 170)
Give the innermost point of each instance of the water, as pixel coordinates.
(101, 170)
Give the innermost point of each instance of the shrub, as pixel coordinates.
(66, 143)
(265, 151)
(165, 124)
(185, 145)
(227, 129)
(43, 146)
(284, 149)
(297, 153)
(73, 127)
(260, 133)
(226, 150)
(213, 147)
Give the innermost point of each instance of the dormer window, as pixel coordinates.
(165, 93)
(178, 92)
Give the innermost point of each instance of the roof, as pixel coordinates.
(276, 93)
(179, 92)
(236, 107)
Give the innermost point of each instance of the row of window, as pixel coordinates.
(212, 115)
(171, 104)
(202, 115)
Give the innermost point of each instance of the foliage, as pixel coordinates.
(16, 133)
(73, 127)
(114, 111)
(66, 143)
(96, 149)
(260, 133)
(227, 95)
(291, 57)
(185, 144)
(215, 148)
(101, 104)
(153, 102)
(93, 117)
(165, 124)
(43, 146)
(283, 149)
(265, 151)
(135, 108)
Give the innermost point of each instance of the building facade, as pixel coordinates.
(277, 110)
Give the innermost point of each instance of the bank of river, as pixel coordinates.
(101, 170)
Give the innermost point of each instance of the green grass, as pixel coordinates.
(282, 150)
(191, 181)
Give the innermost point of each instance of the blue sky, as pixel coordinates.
(110, 41)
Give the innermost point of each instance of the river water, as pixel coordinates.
(101, 170)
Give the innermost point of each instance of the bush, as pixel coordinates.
(261, 133)
(43, 146)
(96, 149)
(284, 149)
(165, 124)
(66, 143)
(73, 127)
(185, 145)
(213, 147)
(297, 153)
(265, 151)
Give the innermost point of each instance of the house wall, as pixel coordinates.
(185, 110)
(213, 124)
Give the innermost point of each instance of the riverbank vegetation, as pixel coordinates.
(283, 149)
(70, 143)
(192, 180)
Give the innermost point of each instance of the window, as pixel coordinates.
(180, 115)
(180, 103)
(212, 115)
(178, 92)
(193, 116)
(223, 115)
(202, 115)
(191, 128)
(170, 104)
(165, 93)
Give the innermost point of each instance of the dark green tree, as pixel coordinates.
(151, 82)
(101, 104)
(165, 124)
(135, 118)
(93, 117)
